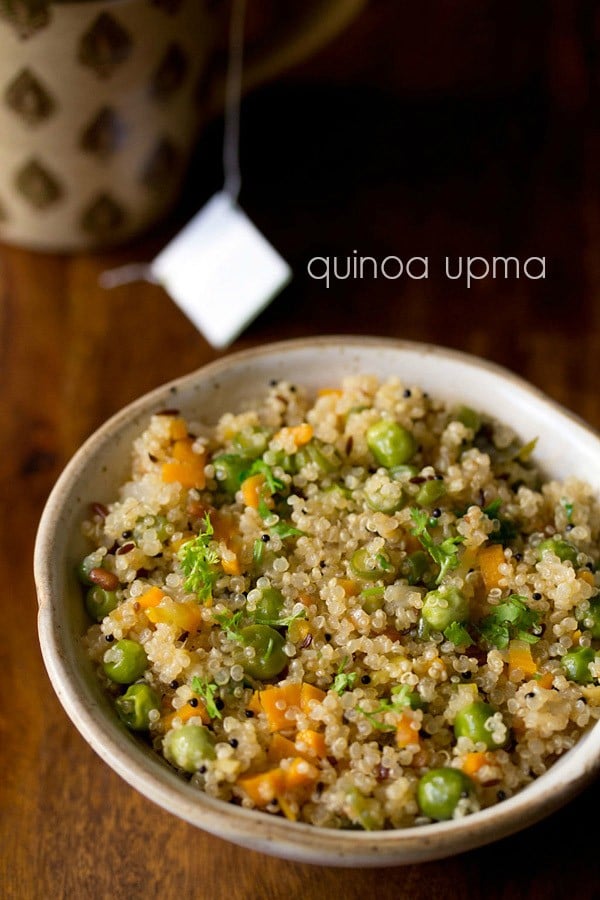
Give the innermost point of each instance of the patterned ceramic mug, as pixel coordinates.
(101, 102)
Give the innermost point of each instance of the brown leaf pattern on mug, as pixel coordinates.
(37, 185)
(28, 98)
(103, 216)
(104, 134)
(27, 16)
(105, 46)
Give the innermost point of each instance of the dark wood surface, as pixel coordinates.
(345, 153)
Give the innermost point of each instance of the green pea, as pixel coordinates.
(284, 460)
(416, 566)
(386, 497)
(229, 470)
(430, 491)
(593, 617)
(468, 417)
(85, 567)
(470, 722)
(99, 603)
(444, 606)
(251, 442)
(577, 664)
(369, 567)
(363, 811)
(372, 600)
(189, 747)
(563, 549)
(136, 704)
(390, 443)
(125, 662)
(159, 523)
(322, 455)
(269, 659)
(439, 791)
(268, 608)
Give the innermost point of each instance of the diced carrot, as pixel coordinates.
(265, 787)
(406, 734)
(185, 537)
(276, 701)
(231, 565)
(187, 467)
(188, 474)
(351, 588)
(312, 744)
(255, 705)
(520, 658)
(150, 598)
(178, 429)
(251, 489)
(182, 451)
(468, 559)
(309, 693)
(281, 748)
(300, 774)
(587, 576)
(186, 615)
(474, 761)
(184, 714)
(546, 680)
(298, 434)
(288, 807)
(329, 392)
(490, 559)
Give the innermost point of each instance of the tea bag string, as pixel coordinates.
(233, 101)
(138, 271)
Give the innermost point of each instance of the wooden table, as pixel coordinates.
(367, 169)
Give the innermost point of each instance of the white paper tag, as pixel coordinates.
(220, 270)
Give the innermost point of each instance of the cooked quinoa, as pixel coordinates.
(364, 609)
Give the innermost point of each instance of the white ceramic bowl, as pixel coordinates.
(566, 446)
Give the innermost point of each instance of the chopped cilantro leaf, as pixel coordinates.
(198, 562)
(344, 681)
(230, 623)
(568, 508)
(511, 619)
(207, 690)
(260, 467)
(445, 554)
(493, 508)
(505, 530)
(284, 622)
(458, 635)
(283, 530)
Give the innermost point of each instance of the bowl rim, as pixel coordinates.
(150, 776)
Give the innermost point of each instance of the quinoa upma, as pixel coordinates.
(360, 610)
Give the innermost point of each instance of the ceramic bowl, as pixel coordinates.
(566, 446)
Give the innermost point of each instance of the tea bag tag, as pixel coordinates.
(220, 270)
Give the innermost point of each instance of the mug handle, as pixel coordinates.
(319, 26)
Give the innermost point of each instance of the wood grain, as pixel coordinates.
(338, 156)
